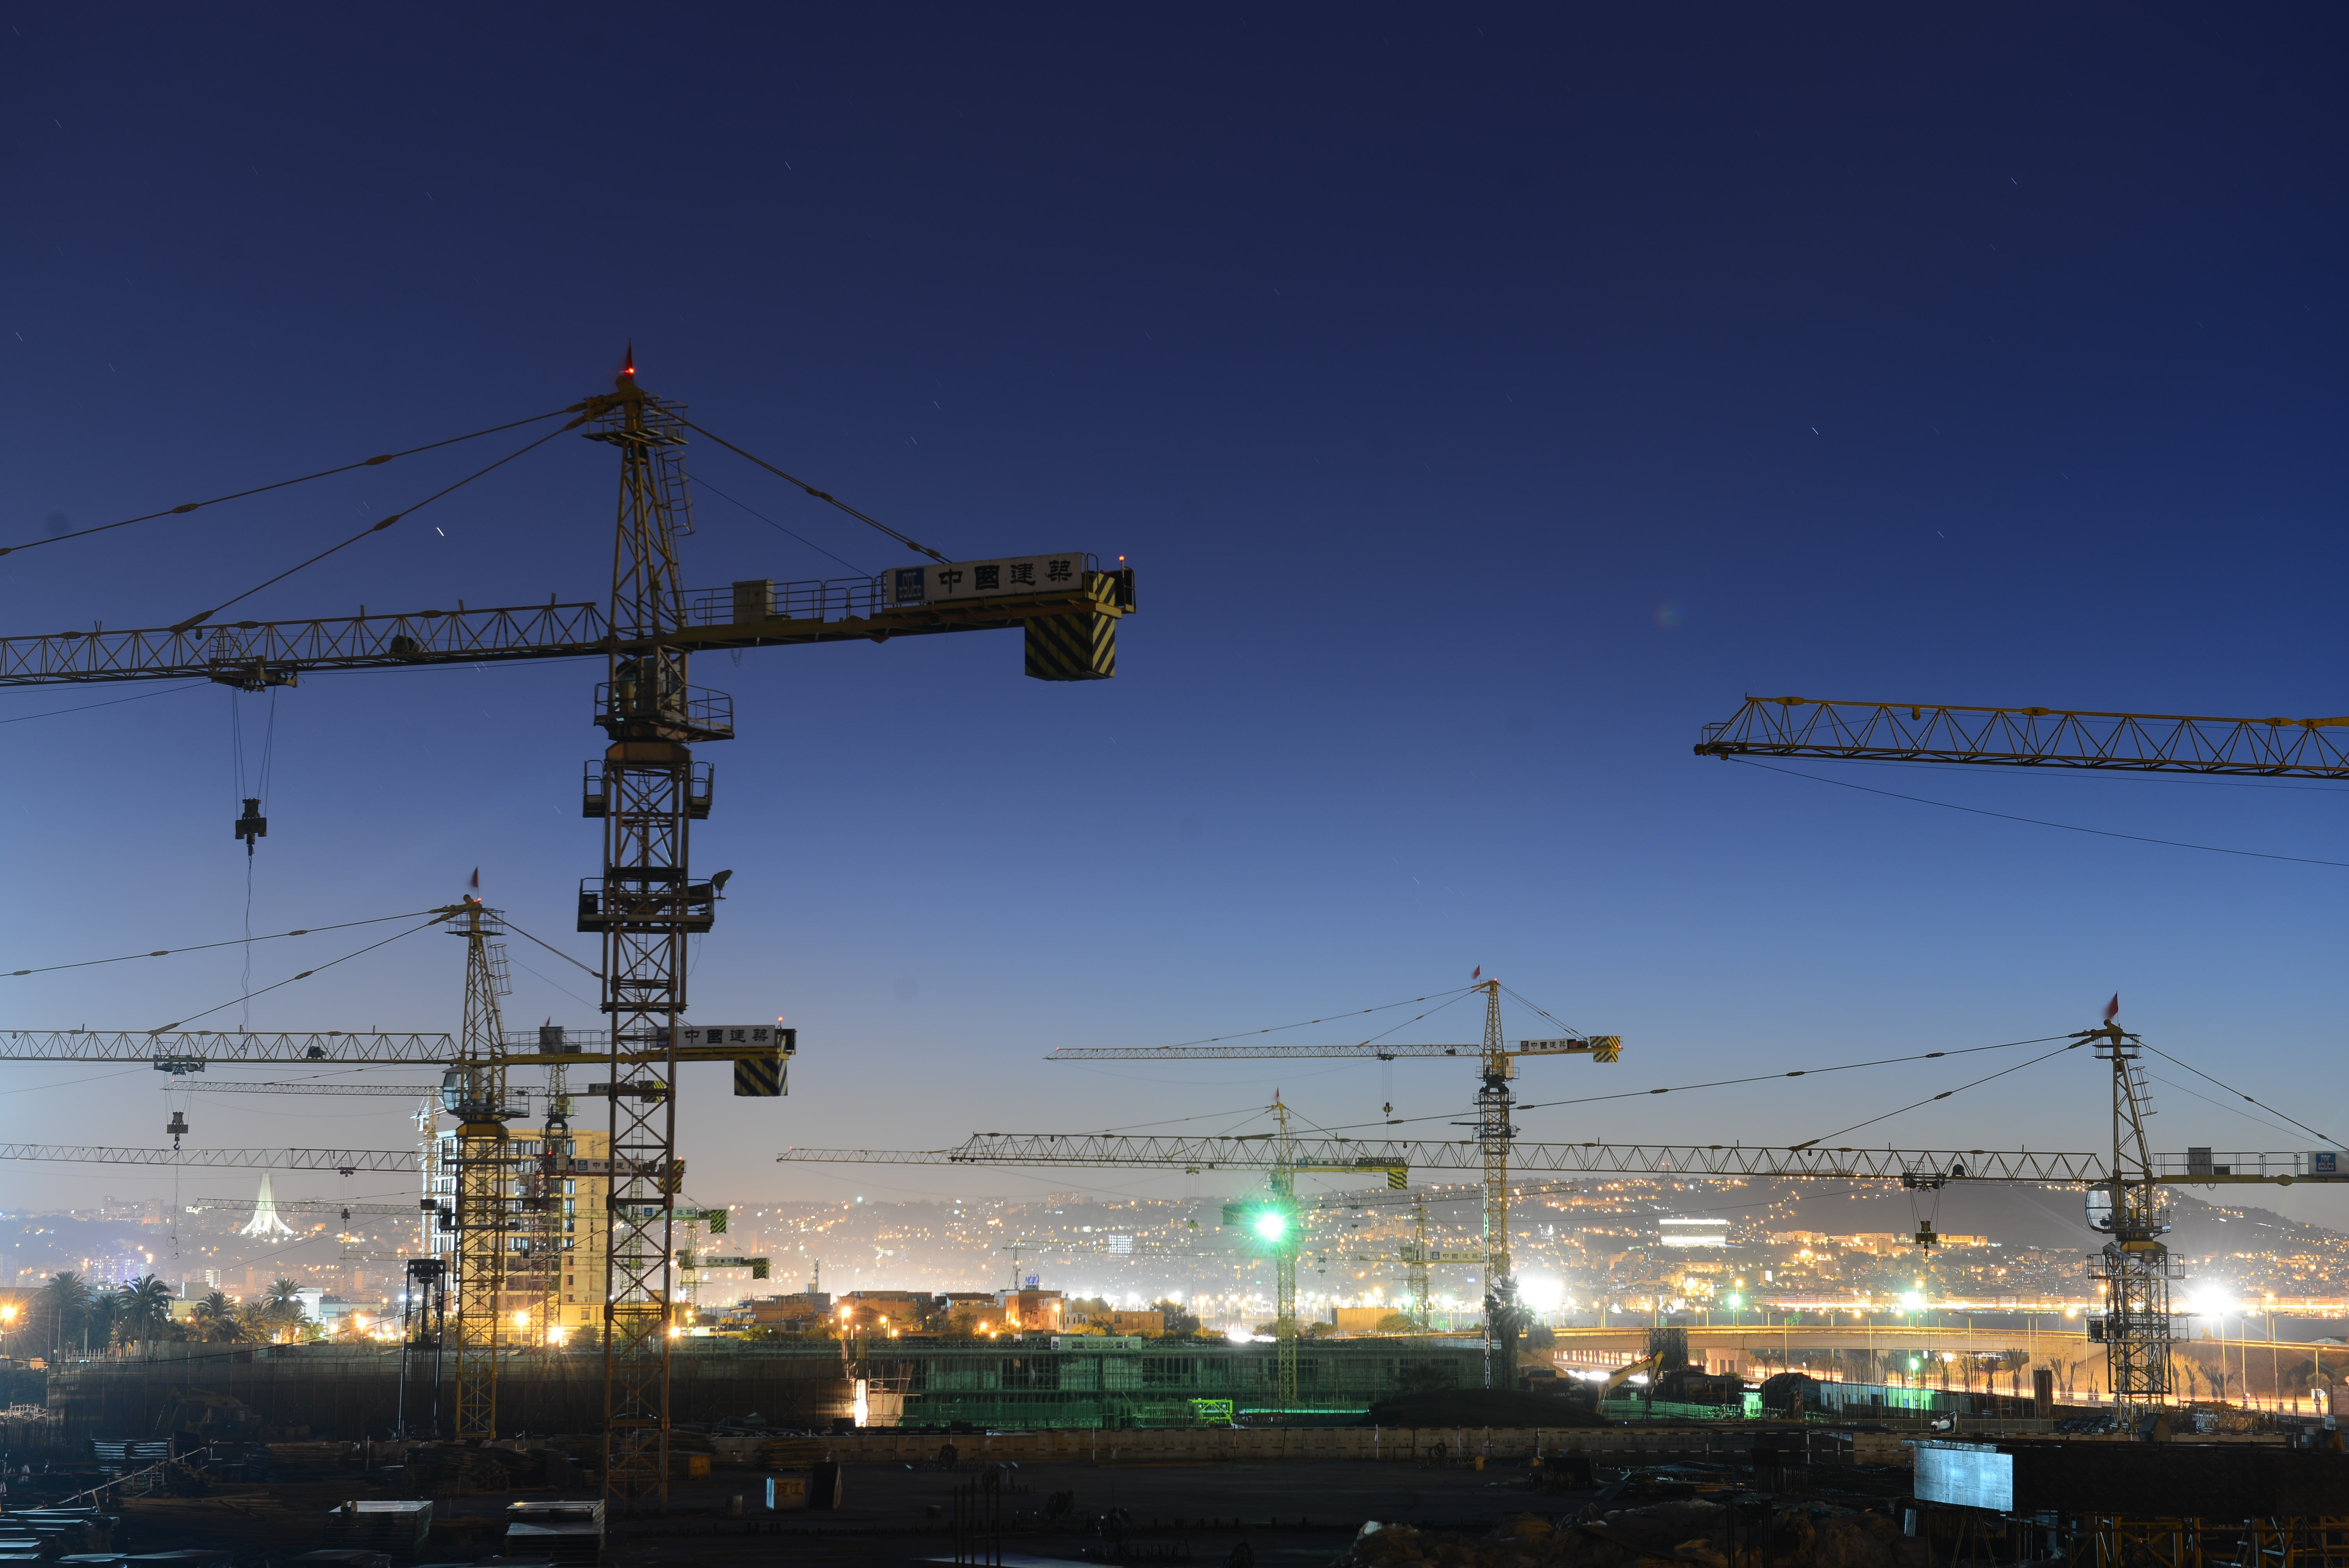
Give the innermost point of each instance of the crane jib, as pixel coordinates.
(258, 654)
(2032, 738)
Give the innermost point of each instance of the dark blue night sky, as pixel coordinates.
(1486, 398)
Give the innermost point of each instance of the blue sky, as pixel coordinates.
(1486, 398)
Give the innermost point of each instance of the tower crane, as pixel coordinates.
(2137, 1322)
(1496, 1065)
(1275, 1222)
(2132, 1174)
(646, 790)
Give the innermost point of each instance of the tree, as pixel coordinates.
(61, 1307)
(1424, 1377)
(142, 1307)
(1397, 1322)
(216, 1319)
(1505, 1318)
(1179, 1318)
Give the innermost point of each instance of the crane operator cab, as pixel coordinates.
(2099, 1199)
(649, 688)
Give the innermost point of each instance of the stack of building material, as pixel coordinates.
(793, 1453)
(565, 1533)
(396, 1526)
(68, 1530)
(116, 1454)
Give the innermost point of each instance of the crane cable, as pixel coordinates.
(1871, 1122)
(2040, 822)
(2231, 1089)
(329, 964)
(1722, 1083)
(701, 483)
(233, 941)
(281, 484)
(824, 496)
(194, 621)
(1308, 1023)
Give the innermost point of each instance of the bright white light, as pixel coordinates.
(1910, 1301)
(1542, 1293)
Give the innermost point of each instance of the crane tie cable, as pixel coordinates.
(281, 484)
(1871, 1122)
(2040, 822)
(2231, 1089)
(701, 483)
(232, 941)
(1308, 1023)
(1719, 1083)
(194, 621)
(824, 496)
(518, 931)
(329, 964)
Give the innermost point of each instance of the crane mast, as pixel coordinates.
(1285, 1326)
(649, 791)
(2137, 1326)
(483, 1210)
(1494, 1132)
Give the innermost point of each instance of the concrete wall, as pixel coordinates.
(338, 1392)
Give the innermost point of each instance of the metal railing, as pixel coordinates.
(834, 598)
(2226, 1165)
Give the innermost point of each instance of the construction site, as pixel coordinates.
(544, 1383)
(1454, 422)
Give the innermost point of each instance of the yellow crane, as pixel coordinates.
(2135, 1325)
(647, 789)
(1496, 1062)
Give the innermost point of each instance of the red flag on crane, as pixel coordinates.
(2113, 1008)
(477, 887)
(1478, 973)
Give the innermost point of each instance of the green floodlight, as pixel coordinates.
(1914, 1364)
(1271, 1225)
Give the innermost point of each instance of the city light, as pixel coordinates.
(1272, 1224)
(1542, 1293)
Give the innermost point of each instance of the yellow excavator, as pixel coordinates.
(1651, 1363)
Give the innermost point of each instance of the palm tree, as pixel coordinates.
(216, 1318)
(142, 1306)
(62, 1304)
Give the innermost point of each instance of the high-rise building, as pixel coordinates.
(554, 1254)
